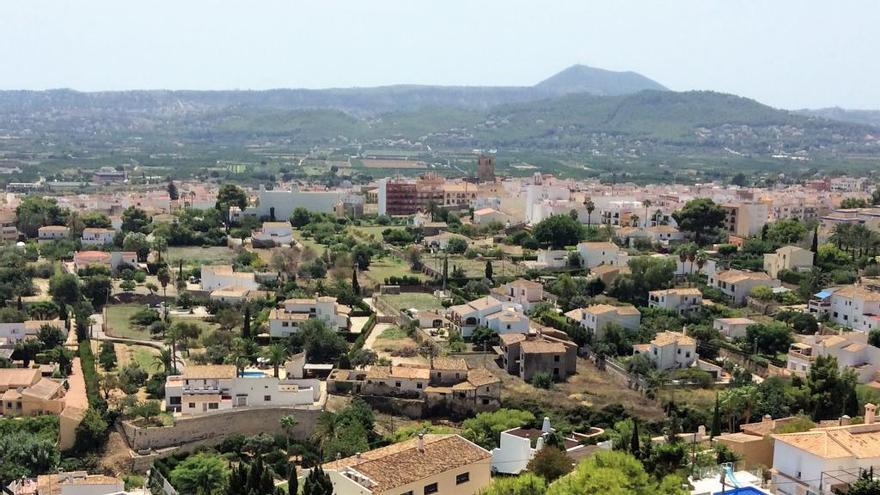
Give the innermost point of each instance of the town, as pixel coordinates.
(459, 333)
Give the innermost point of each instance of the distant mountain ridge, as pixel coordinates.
(865, 117)
(357, 101)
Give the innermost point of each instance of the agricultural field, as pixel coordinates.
(197, 256)
(392, 164)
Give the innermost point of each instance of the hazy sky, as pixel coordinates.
(787, 53)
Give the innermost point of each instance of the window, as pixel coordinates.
(556, 358)
(462, 478)
(407, 493)
(418, 385)
(397, 384)
(213, 405)
(485, 402)
(432, 488)
(267, 398)
(192, 405)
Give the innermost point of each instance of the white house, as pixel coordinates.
(111, 260)
(596, 317)
(732, 327)
(788, 258)
(670, 350)
(853, 306)
(286, 320)
(12, 333)
(517, 446)
(551, 258)
(682, 300)
(219, 276)
(851, 350)
(280, 203)
(821, 459)
(601, 253)
(737, 284)
(53, 233)
(500, 316)
(202, 389)
(520, 291)
(485, 216)
(273, 234)
(93, 236)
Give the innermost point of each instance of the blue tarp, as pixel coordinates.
(823, 294)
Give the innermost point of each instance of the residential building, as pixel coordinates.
(219, 276)
(550, 258)
(94, 236)
(12, 333)
(853, 306)
(485, 216)
(279, 203)
(53, 233)
(500, 316)
(272, 234)
(524, 292)
(823, 460)
(111, 260)
(737, 284)
(8, 226)
(791, 258)
(753, 442)
(596, 317)
(595, 254)
(660, 234)
(851, 350)
(525, 355)
(670, 350)
(286, 320)
(236, 295)
(732, 327)
(428, 464)
(745, 219)
(204, 389)
(68, 483)
(681, 300)
(404, 196)
(518, 446)
(486, 168)
(106, 175)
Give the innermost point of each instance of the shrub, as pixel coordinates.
(542, 380)
(145, 317)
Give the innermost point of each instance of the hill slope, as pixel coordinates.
(866, 117)
(585, 79)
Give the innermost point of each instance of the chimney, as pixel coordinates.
(421, 442)
(540, 443)
(767, 418)
(545, 427)
(870, 410)
(845, 420)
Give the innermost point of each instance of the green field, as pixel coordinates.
(197, 256)
(370, 231)
(475, 268)
(319, 249)
(382, 268)
(118, 322)
(145, 357)
(413, 300)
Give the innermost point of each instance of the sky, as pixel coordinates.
(786, 53)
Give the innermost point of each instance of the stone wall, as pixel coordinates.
(208, 429)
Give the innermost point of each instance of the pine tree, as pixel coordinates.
(355, 285)
(318, 483)
(292, 481)
(246, 325)
(716, 419)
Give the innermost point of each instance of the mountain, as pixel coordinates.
(356, 101)
(585, 79)
(866, 117)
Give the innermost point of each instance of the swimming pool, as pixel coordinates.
(253, 374)
(746, 490)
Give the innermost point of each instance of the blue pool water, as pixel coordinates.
(743, 491)
(254, 374)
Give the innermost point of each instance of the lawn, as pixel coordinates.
(145, 357)
(371, 231)
(393, 333)
(197, 256)
(319, 249)
(117, 322)
(413, 300)
(383, 268)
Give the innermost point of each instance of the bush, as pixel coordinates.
(789, 277)
(145, 317)
(107, 356)
(542, 380)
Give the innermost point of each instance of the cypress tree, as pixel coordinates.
(355, 285)
(292, 481)
(267, 484)
(489, 271)
(814, 248)
(634, 442)
(246, 325)
(716, 419)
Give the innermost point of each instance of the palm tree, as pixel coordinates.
(701, 259)
(288, 423)
(634, 220)
(277, 354)
(647, 203)
(164, 277)
(165, 360)
(173, 336)
(590, 206)
(160, 244)
(150, 286)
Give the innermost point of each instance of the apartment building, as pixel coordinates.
(737, 284)
(202, 389)
(851, 350)
(279, 203)
(791, 258)
(823, 460)
(595, 254)
(219, 276)
(596, 317)
(405, 196)
(110, 260)
(459, 195)
(670, 350)
(681, 300)
(549, 352)
(286, 320)
(428, 464)
(853, 306)
(93, 236)
(745, 219)
(500, 316)
(869, 217)
(53, 233)
(8, 226)
(272, 234)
